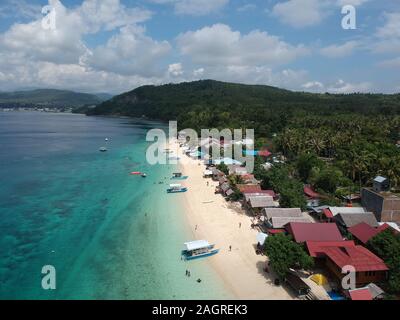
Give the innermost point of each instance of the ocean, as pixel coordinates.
(108, 234)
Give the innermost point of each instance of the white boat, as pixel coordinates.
(103, 149)
(176, 188)
(198, 249)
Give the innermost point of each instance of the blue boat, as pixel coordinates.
(176, 188)
(198, 249)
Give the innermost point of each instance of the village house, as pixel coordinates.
(313, 197)
(216, 174)
(225, 189)
(255, 204)
(278, 218)
(385, 205)
(302, 232)
(327, 213)
(363, 232)
(348, 220)
(335, 255)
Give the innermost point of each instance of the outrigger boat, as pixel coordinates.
(176, 188)
(103, 149)
(198, 249)
(178, 176)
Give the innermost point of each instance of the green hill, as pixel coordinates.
(208, 103)
(48, 98)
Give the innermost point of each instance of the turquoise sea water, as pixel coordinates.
(108, 234)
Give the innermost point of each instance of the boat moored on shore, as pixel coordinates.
(198, 249)
(176, 188)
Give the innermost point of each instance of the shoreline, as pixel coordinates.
(211, 218)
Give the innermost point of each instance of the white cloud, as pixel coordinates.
(198, 72)
(175, 69)
(345, 87)
(339, 51)
(20, 9)
(301, 13)
(195, 7)
(130, 52)
(390, 63)
(109, 15)
(313, 86)
(351, 2)
(220, 45)
(246, 7)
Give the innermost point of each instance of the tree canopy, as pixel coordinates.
(284, 254)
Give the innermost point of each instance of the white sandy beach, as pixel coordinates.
(218, 222)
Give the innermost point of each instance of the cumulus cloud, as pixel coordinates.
(300, 13)
(34, 56)
(175, 69)
(345, 87)
(313, 86)
(195, 7)
(339, 51)
(129, 52)
(220, 45)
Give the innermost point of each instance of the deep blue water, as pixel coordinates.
(108, 234)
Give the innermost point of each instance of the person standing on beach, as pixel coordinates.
(240, 225)
(230, 248)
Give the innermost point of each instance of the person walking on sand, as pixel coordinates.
(230, 248)
(240, 225)
(195, 228)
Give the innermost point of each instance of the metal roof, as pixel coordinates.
(352, 219)
(303, 232)
(195, 245)
(380, 179)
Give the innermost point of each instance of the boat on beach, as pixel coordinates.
(176, 188)
(198, 249)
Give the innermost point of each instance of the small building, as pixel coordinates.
(278, 218)
(313, 197)
(348, 220)
(360, 294)
(237, 170)
(208, 174)
(226, 189)
(270, 193)
(363, 232)
(381, 184)
(249, 179)
(217, 174)
(376, 292)
(249, 188)
(385, 205)
(256, 204)
(368, 267)
(303, 232)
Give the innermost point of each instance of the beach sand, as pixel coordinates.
(214, 219)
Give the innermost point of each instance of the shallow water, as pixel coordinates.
(108, 234)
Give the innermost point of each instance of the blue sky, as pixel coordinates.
(117, 45)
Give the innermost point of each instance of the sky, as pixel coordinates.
(114, 46)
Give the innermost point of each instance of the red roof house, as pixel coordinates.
(303, 232)
(249, 188)
(264, 153)
(309, 192)
(316, 249)
(360, 294)
(328, 213)
(368, 267)
(363, 232)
